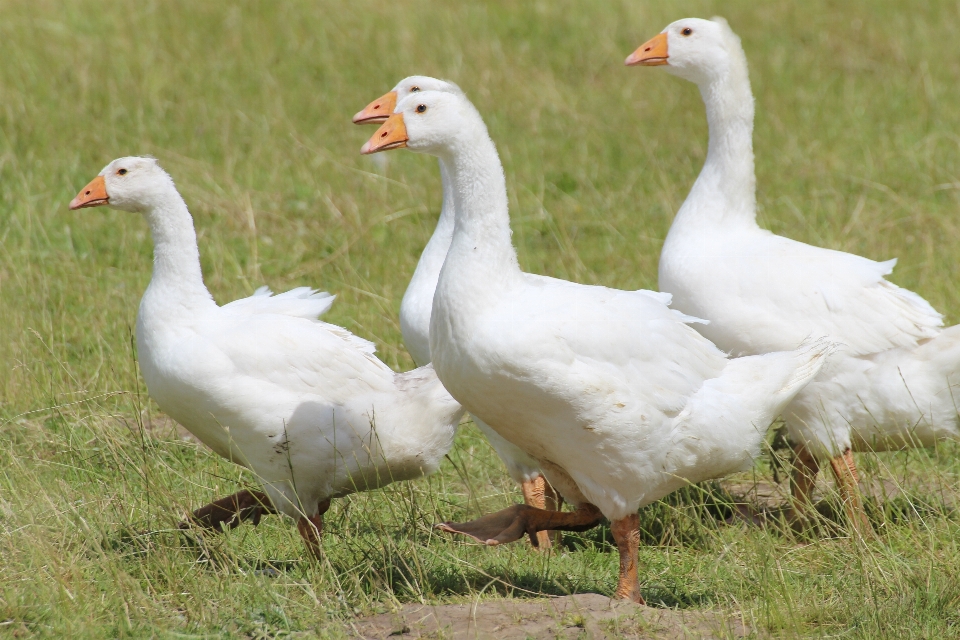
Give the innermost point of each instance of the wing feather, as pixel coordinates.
(301, 302)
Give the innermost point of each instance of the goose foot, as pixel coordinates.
(311, 530)
(514, 522)
(229, 512)
(626, 533)
(848, 482)
(538, 493)
(805, 469)
(553, 502)
(553, 499)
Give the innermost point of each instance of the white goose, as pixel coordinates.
(417, 304)
(615, 396)
(304, 404)
(762, 292)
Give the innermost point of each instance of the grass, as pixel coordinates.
(248, 106)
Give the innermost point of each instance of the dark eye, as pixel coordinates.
(122, 172)
(421, 108)
(414, 89)
(686, 31)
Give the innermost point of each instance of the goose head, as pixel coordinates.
(380, 109)
(426, 122)
(131, 184)
(694, 49)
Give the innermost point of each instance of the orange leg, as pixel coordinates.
(514, 522)
(231, 511)
(538, 493)
(848, 481)
(626, 532)
(554, 502)
(552, 499)
(311, 528)
(802, 480)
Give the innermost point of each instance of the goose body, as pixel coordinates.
(304, 404)
(416, 307)
(614, 422)
(895, 399)
(613, 393)
(761, 292)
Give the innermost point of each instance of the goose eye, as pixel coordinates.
(686, 31)
(122, 172)
(414, 89)
(421, 108)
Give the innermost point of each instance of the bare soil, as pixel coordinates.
(585, 615)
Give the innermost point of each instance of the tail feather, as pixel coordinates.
(422, 383)
(724, 424)
(941, 353)
(811, 355)
(425, 421)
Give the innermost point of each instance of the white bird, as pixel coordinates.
(613, 393)
(303, 404)
(417, 304)
(761, 292)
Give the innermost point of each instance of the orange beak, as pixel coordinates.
(652, 53)
(377, 111)
(92, 195)
(392, 134)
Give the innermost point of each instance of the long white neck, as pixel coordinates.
(481, 245)
(725, 191)
(176, 259)
(481, 266)
(424, 281)
(431, 260)
(417, 303)
(448, 212)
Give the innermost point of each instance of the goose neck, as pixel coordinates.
(176, 257)
(431, 260)
(482, 220)
(726, 187)
(440, 240)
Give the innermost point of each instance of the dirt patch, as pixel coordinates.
(584, 615)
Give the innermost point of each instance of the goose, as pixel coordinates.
(303, 404)
(613, 393)
(761, 292)
(417, 303)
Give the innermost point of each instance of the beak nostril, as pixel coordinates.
(87, 193)
(648, 48)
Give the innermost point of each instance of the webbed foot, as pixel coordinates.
(229, 512)
(514, 522)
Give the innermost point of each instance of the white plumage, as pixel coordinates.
(762, 292)
(417, 304)
(613, 393)
(304, 404)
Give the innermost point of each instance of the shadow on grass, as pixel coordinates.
(400, 558)
(207, 548)
(392, 563)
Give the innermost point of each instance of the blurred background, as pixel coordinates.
(248, 105)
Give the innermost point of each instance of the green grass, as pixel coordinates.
(248, 106)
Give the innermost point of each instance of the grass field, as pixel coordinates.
(248, 106)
